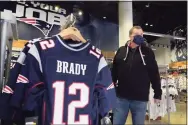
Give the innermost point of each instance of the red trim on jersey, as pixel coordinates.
(32, 88)
(44, 112)
(7, 89)
(109, 87)
(13, 115)
(90, 123)
(19, 80)
(23, 78)
(35, 85)
(99, 86)
(94, 53)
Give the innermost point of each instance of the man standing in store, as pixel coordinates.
(134, 68)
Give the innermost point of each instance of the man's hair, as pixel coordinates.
(134, 27)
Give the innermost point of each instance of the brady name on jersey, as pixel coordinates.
(70, 68)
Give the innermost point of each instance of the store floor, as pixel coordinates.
(178, 117)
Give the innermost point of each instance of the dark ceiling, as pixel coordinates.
(161, 17)
(164, 16)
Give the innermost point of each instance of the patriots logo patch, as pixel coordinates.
(43, 26)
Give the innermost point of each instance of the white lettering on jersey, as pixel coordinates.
(95, 51)
(84, 100)
(59, 66)
(70, 68)
(60, 105)
(83, 68)
(77, 67)
(47, 44)
(65, 67)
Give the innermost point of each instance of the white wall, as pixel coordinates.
(165, 41)
(162, 55)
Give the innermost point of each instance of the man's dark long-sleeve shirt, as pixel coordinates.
(133, 71)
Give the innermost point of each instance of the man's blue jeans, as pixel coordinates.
(137, 108)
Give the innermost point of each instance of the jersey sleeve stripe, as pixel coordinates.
(111, 86)
(22, 79)
(34, 52)
(7, 89)
(102, 64)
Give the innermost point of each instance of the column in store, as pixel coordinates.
(125, 21)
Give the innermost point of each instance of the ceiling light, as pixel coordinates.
(147, 5)
(151, 25)
(104, 17)
(146, 24)
(80, 13)
(46, 7)
(56, 8)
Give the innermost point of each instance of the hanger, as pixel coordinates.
(70, 32)
(73, 34)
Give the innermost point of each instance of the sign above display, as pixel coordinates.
(40, 15)
(30, 10)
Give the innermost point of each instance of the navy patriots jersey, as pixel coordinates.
(70, 79)
(6, 111)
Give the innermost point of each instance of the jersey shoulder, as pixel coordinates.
(45, 43)
(95, 52)
(97, 57)
(35, 40)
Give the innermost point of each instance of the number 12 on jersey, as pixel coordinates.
(59, 95)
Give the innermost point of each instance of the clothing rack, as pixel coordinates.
(163, 70)
(8, 26)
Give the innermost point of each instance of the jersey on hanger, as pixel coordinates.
(6, 111)
(69, 78)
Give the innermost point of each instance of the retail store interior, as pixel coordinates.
(106, 25)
